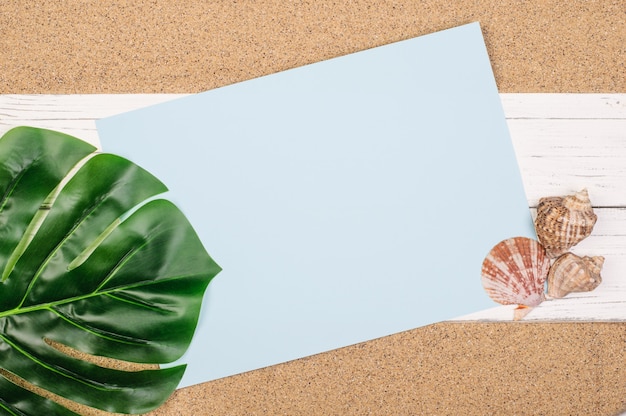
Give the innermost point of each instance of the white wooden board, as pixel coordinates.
(563, 142)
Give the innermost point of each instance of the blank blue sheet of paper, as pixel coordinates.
(345, 200)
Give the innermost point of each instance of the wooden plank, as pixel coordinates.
(563, 142)
(565, 138)
(71, 114)
(566, 142)
(567, 106)
(558, 156)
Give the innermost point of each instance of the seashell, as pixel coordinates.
(514, 273)
(563, 222)
(571, 273)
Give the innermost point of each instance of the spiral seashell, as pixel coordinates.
(563, 222)
(571, 273)
(514, 273)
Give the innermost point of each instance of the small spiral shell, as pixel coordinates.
(563, 222)
(571, 273)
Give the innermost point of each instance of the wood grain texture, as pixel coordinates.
(90, 46)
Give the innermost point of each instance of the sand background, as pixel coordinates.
(476, 368)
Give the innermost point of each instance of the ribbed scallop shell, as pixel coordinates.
(514, 272)
(563, 222)
(571, 273)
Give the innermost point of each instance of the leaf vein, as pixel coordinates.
(13, 185)
(18, 311)
(99, 332)
(4, 405)
(138, 303)
(125, 258)
(66, 373)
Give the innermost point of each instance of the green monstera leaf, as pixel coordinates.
(88, 264)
